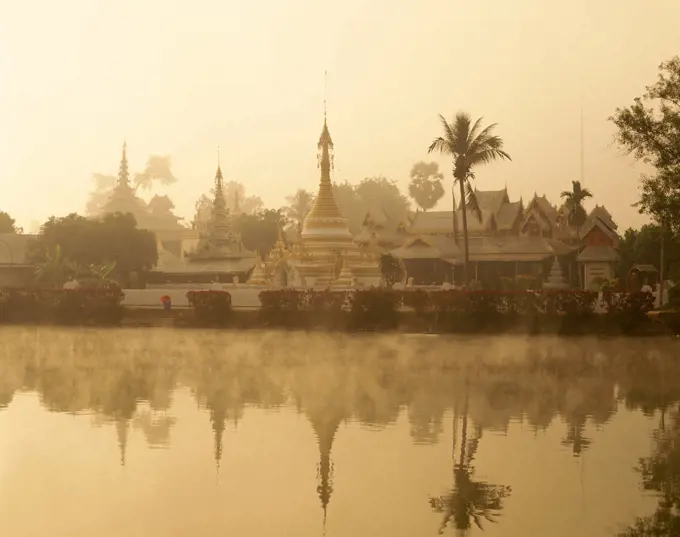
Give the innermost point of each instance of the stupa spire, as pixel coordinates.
(219, 203)
(123, 172)
(122, 433)
(325, 205)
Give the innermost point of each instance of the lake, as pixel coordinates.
(159, 432)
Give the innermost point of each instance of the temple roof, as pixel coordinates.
(598, 253)
(501, 248)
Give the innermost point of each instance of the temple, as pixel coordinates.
(219, 254)
(509, 240)
(156, 216)
(326, 246)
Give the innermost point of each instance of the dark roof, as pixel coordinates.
(645, 268)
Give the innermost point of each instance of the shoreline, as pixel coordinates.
(406, 323)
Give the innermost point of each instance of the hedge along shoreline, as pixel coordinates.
(82, 306)
(443, 311)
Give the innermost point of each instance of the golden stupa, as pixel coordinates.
(326, 245)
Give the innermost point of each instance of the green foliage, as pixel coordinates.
(573, 199)
(354, 201)
(302, 308)
(375, 309)
(84, 306)
(392, 269)
(650, 130)
(455, 311)
(259, 231)
(298, 206)
(84, 242)
(650, 127)
(211, 308)
(426, 184)
(8, 224)
(469, 146)
(643, 247)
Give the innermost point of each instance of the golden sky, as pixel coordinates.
(180, 78)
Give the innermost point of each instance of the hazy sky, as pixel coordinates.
(180, 78)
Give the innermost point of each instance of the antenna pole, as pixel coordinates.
(582, 145)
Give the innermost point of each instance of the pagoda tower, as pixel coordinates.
(220, 250)
(123, 198)
(326, 243)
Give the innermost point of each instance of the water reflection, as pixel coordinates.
(469, 500)
(127, 380)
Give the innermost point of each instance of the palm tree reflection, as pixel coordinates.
(469, 501)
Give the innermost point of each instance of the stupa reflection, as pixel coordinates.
(128, 383)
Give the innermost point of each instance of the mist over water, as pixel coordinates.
(174, 433)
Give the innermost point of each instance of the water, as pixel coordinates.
(175, 433)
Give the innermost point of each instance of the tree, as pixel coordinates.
(158, 169)
(8, 224)
(650, 127)
(650, 130)
(392, 269)
(577, 215)
(260, 231)
(379, 191)
(53, 270)
(299, 206)
(236, 193)
(643, 247)
(469, 500)
(426, 184)
(469, 146)
(354, 201)
(84, 242)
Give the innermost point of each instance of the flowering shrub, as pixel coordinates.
(211, 308)
(628, 310)
(452, 310)
(82, 306)
(302, 308)
(374, 308)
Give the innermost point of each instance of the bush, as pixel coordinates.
(211, 308)
(302, 308)
(628, 311)
(82, 306)
(375, 308)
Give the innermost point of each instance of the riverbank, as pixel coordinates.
(366, 310)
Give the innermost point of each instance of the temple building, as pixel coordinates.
(508, 240)
(155, 216)
(219, 255)
(326, 246)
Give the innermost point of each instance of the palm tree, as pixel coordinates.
(573, 201)
(469, 145)
(298, 206)
(469, 500)
(54, 269)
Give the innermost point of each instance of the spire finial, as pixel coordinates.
(325, 92)
(218, 156)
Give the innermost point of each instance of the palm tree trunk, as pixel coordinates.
(466, 246)
(578, 253)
